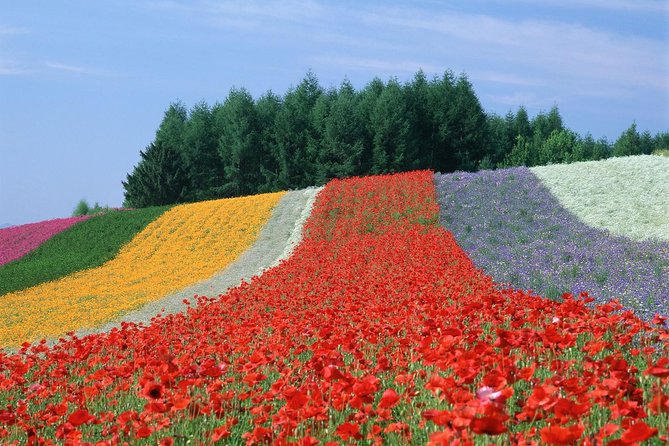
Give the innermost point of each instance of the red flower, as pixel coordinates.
(153, 391)
(349, 430)
(638, 432)
(389, 399)
(660, 372)
(296, 399)
(561, 435)
(143, 432)
(79, 417)
(488, 425)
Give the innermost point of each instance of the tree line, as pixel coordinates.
(245, 146)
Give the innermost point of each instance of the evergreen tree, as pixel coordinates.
(238, 145)
(520, 153)
(468, 127)
(521, 124)
(661, 142)
(646, 143)
(173, 126)
(369, 97)
(159, 178)
(293, 132)
(267, 109)
(421, 135)
(558, 147)
(444, 118)
(82, 208)
(341, 142)
(390, 130)
(498, 145)
(200, 153)
(629, 142)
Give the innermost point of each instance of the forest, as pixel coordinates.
(245, 146)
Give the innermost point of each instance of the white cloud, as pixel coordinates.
(616, 5)
(378, 66)
(245, 14)
(75, 69)
(8, 65)
(562, 52)
(517, 98)
(506, 78)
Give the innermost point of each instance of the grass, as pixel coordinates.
(86, 245)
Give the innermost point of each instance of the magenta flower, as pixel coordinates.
(17, 241)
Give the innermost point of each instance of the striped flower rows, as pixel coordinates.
(532, 242)
(378, 330)
(17, 241)
(186, 244)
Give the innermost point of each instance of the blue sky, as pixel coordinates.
(84, 84)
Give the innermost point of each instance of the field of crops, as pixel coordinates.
(86, 245)
(186, 244)
(383, 327)
(532, 242)
(17, 241)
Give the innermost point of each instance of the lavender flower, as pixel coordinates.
(517, 232)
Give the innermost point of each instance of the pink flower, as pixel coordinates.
(486, 394)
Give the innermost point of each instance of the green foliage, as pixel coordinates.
(238, 145)
(87, 244)
(629, 142)
(158, 179)
(82, 208)
(310, 135)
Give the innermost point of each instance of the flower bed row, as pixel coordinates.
(531, 242)
(186, 244)
(378, 330)
(85, 245)
(17, 241)
(628, 196)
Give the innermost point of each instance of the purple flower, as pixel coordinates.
(517, 232)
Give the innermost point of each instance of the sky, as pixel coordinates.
(84, 84)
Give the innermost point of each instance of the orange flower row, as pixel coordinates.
(187, 244)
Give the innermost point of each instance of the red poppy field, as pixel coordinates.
(378, 330)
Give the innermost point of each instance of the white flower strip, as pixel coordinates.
(276, 242)
(629, 196)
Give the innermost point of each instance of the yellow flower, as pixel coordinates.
(187, 244)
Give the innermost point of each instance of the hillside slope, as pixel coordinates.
(378, 329)
(186, 244)
(628, 196)
(86, 245)
(275, 243)
(17, 241)
(514, 228)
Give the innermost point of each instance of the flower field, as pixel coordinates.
(629, 196)
(186, 244)
(86, 245)
(378, 330)
(532, 242)
(17, 241)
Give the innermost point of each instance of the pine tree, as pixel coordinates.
(238, 145)
(159, 178)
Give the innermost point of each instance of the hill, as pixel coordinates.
(531, 241)
(88, 244)
(379, 327)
